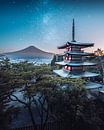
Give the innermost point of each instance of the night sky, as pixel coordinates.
(46, 24)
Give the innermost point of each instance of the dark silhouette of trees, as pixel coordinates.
(54, 98)
(6, 110)
(99, 58)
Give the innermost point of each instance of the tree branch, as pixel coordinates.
(17, 99)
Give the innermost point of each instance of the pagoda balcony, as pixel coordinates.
(81, 53)
(63, 63)
(92, 85)
(82, 45)
(66, 74)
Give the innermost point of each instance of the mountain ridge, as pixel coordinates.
(30, 51)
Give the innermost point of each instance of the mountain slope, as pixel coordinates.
(30, 51)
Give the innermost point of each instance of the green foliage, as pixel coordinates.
(5, 63)
(6, 76)
(57, 98)
(99, 52)
(99, 68)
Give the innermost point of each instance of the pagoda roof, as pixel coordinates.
(66, 74)
(74, 43)
(92, 85)
(79, 53)
(75, 64)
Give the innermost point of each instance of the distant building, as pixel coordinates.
(59, 57)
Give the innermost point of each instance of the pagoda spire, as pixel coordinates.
(73, 31)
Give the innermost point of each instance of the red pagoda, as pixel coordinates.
(73, 65)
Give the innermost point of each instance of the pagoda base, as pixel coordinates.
(92, 85)
(66, 74)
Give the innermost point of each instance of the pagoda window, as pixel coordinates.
(67, 67)
(77, 49)
(67, 57)
(68, 48)
(77, 68)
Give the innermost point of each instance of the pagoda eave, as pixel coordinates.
(67, 74)
(92, 85)
(82, 45)
(80, 53)
(75, 64)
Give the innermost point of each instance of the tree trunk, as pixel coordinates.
(32, 118)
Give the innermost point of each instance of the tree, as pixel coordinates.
(36, 82)
(99, 52)
(6, 110)
(70, 104)
(50, 88)
(26, 78)
(99, 68)
(74, 109)
(99, 58)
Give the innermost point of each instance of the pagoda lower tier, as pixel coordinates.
(80, 53)
(92, 85)
(68, 74)
(63, 63)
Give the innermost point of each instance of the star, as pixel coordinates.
(45, 2)
(13, 2)
(89, 16)
(46, 18)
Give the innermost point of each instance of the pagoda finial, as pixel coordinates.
(73, 31)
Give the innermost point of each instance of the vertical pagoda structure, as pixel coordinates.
(73, 65)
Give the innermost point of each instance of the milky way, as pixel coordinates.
(47, 23)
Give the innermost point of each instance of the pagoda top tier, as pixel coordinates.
(74, 43)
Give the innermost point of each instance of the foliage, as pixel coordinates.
(36, 81)
(98, 58)
(6, 111)
(99, 52)
(53, 97)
